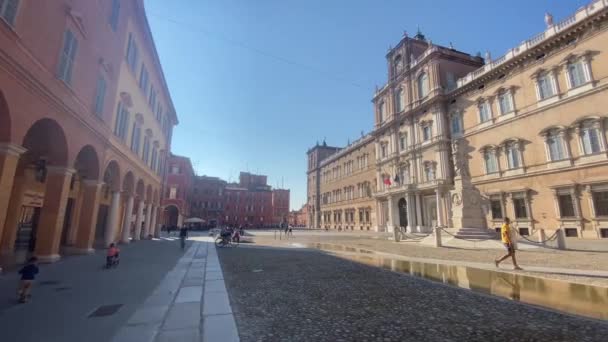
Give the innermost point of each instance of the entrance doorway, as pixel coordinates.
(25, 241)
(402, 204)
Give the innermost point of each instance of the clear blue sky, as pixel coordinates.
(255, 83)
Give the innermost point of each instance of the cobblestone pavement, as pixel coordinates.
(294, 295)
(67, 292)
(582, 260)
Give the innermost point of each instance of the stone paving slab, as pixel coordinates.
(180, 309)
(318, 297)
(214, 275)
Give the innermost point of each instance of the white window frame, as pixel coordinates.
(399, 103)
(403, 141)
(492, 153)
(100, 96)
(381, 110)
(427, 132)
(67, 57)
(591, 125)
(456, 120)
(484, 106)
(585, 69)
(558, 136)
(513, 155)
(383, 149)
(429, 171)
(505, 97)
(422, 82)
(550, 76)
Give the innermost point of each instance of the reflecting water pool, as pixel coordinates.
(585, 300)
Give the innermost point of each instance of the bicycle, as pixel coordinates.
(226, 241)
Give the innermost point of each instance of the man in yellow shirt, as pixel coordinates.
(505, 235)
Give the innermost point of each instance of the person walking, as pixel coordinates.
(505, 236)
(28, 274)
(183, 234)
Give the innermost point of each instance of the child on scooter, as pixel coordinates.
(112, 256)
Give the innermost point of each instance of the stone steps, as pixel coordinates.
(475, 233)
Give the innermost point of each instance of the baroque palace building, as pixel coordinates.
(462, 142)
(85, 125)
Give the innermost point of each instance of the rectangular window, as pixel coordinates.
(484, 112)
(132, 53)
(8, 10)
(519, 206)
(490, 160)
(456, 124)
(122, 119)
(135, 138)
(173, 193)
(383, 149)
(496, 206)
(426, 133)
(591, 141)
(545, 87)
(576, 74)
(556, 150)
(100, 95)
(430, 173)
(600, 203)
(513, 157)
(68, 54)
(403, 141)
(143, 80)
(114, 14)
(566, 207)
(505, 102)
(174, 169)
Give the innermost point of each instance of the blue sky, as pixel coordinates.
(255, 83)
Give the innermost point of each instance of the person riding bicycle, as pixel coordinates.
(112, 256)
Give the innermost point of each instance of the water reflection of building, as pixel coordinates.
(85, 125)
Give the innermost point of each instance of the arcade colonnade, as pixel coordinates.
(68, 193)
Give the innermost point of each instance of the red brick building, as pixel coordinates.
(280, 205)
(250, 202)
(298, 218)
(207, 200)
(177, 190)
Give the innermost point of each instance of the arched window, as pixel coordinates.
(423, 85)
(399, 100)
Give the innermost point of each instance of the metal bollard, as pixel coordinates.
(275, 234)
(542, 236)
(437, 236)
(561, 239)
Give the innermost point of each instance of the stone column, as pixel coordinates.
(154, 226)
(9, 158)
(113, 222)
(390, 223)
(87, 222)
(439, 200)
(139, 219)
(52, 214)
(76, 212)
(126, 222)
(411, 216)
(148, 219)
(180, 220)
(418, 212)
(9, 233)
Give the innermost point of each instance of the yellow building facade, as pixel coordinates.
(529, 131)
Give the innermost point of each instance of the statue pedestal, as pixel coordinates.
(466, 206)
